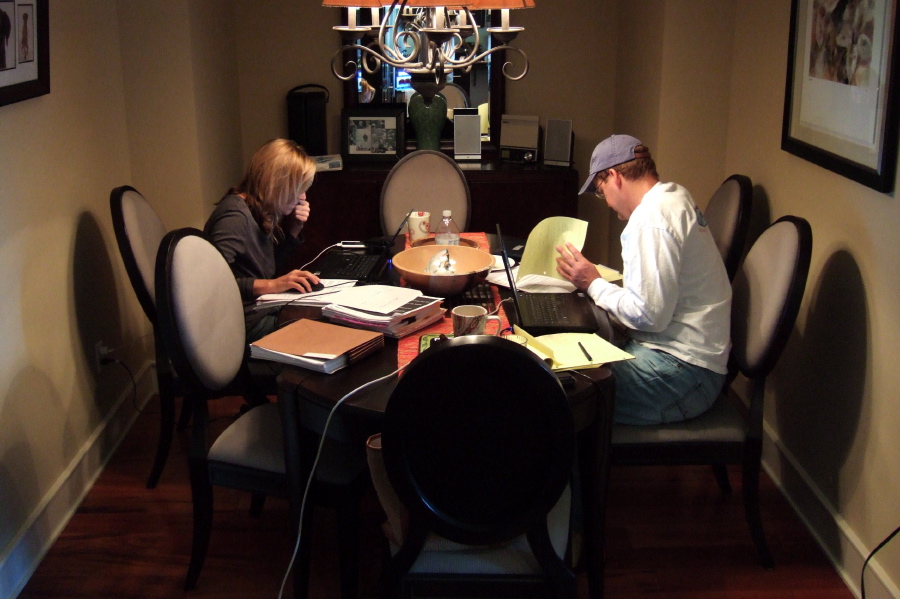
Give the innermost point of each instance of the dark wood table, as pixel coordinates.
(301, 392)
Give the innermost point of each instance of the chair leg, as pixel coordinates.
(166, 426)
(202, 498)
(348, 548)
(751, 504)
(721, 473)
(184, 419)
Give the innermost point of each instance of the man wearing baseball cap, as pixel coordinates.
(675, 298)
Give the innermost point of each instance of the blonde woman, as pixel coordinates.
(257, 227)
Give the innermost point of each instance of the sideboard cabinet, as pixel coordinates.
(345, 204)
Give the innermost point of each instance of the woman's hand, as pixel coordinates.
(298, 280)
(295, 220)
(575, 268)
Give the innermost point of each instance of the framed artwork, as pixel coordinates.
(840, 106)
(24, 50)
(373, 132)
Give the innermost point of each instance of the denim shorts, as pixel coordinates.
(657, 388)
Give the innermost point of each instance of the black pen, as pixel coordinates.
(586, 354)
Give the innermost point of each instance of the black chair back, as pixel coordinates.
(479, 444)
(200, 312)
(429, 181)
(766, 294)
(728, 215)
(138, 231)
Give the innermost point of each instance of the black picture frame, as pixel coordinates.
(840, 105)
(25, 64)
(373, 132)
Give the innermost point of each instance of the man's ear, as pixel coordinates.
(615, 177)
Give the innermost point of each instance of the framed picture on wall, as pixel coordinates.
(24, 50)
(373, 132)
(840, 107)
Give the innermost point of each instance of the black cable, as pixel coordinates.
(108, 360)
(862, 573)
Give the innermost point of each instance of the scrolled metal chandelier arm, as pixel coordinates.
(423, 42)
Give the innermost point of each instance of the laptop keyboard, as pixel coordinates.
(544, 309)
(480, 295)
(347, 266)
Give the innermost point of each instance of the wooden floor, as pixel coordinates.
(671, 536)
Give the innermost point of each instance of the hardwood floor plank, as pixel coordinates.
(671, 535)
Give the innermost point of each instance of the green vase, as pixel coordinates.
(428, 118)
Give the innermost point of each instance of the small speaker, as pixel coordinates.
(466, 136)
(558, 142)
(519, 138)
(306, 117)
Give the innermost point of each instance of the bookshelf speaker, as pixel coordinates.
(558, 142)
(467, 137)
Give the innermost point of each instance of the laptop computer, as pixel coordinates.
(548, 313)
(342, 264)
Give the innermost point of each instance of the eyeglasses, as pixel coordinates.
(601, 178)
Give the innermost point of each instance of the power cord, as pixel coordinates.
(312, 473)
(862, 573)
(333, 245)
(107, 360)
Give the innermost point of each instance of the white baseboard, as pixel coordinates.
(48, 519)
(842, 545)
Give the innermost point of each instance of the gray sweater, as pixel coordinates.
(250, 253)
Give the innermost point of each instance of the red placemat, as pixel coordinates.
(408, 347)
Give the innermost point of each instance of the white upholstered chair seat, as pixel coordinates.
(253, 441)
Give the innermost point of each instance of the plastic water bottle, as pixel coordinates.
(447, 232)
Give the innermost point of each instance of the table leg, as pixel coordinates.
(594, 464)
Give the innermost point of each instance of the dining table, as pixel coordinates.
(306, 399)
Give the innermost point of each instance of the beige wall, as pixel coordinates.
(151, 86)
(832, 407)
(173, 96)
(287, 44)
(61, 155)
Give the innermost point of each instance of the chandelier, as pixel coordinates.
(425, 38)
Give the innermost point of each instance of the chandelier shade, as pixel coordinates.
(500, 4)
(353, 3)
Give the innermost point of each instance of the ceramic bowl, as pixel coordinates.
(472, 267)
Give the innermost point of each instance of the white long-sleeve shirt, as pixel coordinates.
(675, 294)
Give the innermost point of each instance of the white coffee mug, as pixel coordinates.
(419, 226)
(471, 320)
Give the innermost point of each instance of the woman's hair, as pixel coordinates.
(279, 171)
(642, 165)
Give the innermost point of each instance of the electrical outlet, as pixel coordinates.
(100, 355)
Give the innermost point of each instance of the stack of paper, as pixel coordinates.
(311, 298)
(315, 345)
(537, 271)
(415, 314)
(573, 351)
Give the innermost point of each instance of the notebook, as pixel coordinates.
(548, 313)
(341, 264)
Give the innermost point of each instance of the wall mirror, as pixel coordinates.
(483, 87)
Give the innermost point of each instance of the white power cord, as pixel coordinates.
(312, 473)
(333, 245)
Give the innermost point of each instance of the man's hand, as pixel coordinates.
(575, 268)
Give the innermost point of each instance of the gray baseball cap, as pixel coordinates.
(612, 151)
